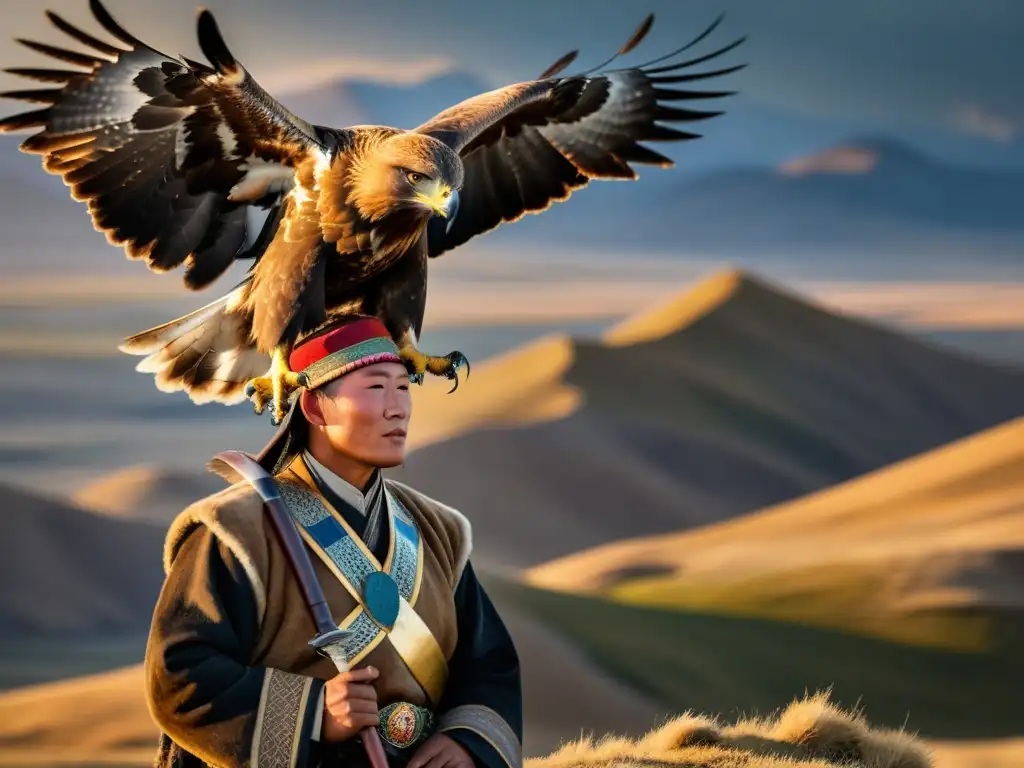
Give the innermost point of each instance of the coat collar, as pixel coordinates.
(361, 501)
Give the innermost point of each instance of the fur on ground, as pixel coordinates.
(809, 733)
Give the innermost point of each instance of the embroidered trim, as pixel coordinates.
(488, 725)
(276, 740)
(348, 552)
(465, 527)
(406, 552)
(344, 553)
(346, 360)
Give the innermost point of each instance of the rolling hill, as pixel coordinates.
(929, 550)
(702, 661)
(736, 365)
(65, 570)
(731, 397)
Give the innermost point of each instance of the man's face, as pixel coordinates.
(366, 414)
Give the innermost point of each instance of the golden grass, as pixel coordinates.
(809, 733)
(102, 720)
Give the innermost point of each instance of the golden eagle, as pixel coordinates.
(169, 154)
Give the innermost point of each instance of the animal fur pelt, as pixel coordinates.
(809, 733)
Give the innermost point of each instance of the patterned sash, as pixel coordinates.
(384, 594)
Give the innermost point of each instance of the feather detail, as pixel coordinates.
(167, 154)
(532, 144)
(640, 34)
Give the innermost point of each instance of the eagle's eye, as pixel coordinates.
(414, 178)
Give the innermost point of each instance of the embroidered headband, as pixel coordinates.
(336, 351)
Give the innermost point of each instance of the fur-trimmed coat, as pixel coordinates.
(231, 679)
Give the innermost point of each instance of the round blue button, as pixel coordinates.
(380, 593)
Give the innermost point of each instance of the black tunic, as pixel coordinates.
(206, 625)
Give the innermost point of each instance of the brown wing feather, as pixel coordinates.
(166, 153)
(531, 144)
(457, 126)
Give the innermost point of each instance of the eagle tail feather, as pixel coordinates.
(209, 353)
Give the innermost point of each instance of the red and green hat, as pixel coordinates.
(342, 348)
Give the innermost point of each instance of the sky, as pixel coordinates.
(936, 65)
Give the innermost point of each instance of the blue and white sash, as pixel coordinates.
(384, 593)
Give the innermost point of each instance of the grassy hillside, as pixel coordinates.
(925, 551)
(844, 595)
(728, 665)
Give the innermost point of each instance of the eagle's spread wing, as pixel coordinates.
(529, 144)
(167, 153)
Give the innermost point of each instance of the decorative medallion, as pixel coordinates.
(403, 724)
(380, 593)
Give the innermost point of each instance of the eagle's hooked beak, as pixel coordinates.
(453, 208)
(438, 197)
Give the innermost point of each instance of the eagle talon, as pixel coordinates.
(260, 391)
(419, 364)
(455, 361)
(275, 388)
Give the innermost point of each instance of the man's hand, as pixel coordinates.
(350, 705)
(440, 750)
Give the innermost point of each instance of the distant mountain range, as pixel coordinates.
(897, 203)
(734, 396)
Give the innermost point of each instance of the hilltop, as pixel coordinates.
(732, 396)
(147, 493)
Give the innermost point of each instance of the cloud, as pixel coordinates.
(977, 120)
(307, 75)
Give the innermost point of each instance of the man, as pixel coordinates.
(231, 678)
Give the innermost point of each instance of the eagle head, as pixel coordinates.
(408, 172)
